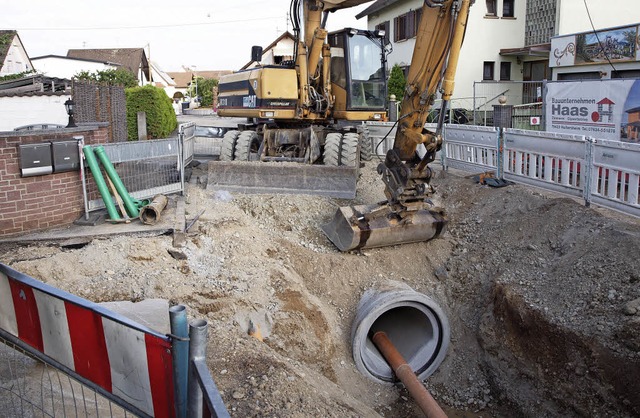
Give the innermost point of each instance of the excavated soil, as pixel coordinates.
(542, 294)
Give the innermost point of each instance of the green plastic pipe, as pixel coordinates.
(102, 185)
(132, 209)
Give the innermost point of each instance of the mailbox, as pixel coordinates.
(35, 159)
(66, 156)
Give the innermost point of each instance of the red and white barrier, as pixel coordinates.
(126, 361)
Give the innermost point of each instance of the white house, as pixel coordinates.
(493, 26)
(66, 67)
(275, 53)
(13, 57)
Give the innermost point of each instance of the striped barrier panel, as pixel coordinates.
(549, 160)
(124, 361)
(615, 178)
(471, 148)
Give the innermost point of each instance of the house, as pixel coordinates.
(183, 79)
(133, 59)
(493, 26)
(279, 51)
(161, 79)
(66, 67)
(13, 57)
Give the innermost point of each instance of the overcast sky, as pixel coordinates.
(210, 35)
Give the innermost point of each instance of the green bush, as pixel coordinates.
(397, 82)
(119, 77)
(205, 90)
(161, 118)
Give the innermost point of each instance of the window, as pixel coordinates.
(507, 8)
(492, 7)
(406, 26)
(385, 26)
(487, 70)
(505, 71)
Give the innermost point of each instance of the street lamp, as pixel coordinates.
(69, 105)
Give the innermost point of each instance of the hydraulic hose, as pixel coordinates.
(102, 185)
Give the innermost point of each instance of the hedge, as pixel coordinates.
(161, 118)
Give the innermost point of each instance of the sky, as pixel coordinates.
(202, 35)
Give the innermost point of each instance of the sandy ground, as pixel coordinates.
(542, 294)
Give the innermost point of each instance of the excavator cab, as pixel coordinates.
(358, 75)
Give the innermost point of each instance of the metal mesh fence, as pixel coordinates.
(32, 388)
(146, 168)
(487, 94)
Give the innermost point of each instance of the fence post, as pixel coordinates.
(197, 351)
(500, 156)
(443, 150)
(83, 179)
(590, 143)
(544, 105)
(180, 354)
(181, 157)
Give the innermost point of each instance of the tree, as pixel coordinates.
(205, 89)
(120, 77)
(397, 82)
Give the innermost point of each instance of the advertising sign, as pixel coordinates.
(607, 109)
(603, 46)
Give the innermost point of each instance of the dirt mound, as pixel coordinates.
(537, 289)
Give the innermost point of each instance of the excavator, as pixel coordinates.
(308, 110)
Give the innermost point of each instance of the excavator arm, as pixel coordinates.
(408, 214)
(433, 67)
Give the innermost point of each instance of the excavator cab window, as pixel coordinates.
(359, 68)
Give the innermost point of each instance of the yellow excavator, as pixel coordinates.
(304, 111)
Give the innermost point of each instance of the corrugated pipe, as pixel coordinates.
(102, 185)
(131, 207)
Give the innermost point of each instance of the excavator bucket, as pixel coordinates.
(286, 177)
(370, 226)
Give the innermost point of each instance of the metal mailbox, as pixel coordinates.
(35, 159)
(66, 156)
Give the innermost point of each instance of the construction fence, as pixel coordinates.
(66, 356)
(601, 172)
(146, 168)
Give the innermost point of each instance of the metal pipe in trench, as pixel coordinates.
(403, 371)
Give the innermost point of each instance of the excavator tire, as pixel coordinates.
(366, 149)
(332, 145)
(247, 146)
(350, 149)
(229, 145)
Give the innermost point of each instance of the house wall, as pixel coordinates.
(33, 203)
(17, 60)
(484, 38)
(573, 18)
(18, 111)
(62, 67)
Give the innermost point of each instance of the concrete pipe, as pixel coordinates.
(150, 214)
(415, 324)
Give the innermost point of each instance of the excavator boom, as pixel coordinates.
(408, 214)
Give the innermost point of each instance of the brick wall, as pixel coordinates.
(33, 203)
